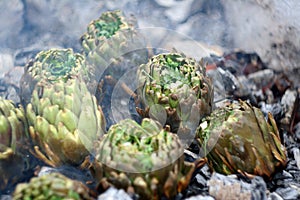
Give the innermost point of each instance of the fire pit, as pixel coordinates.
(124, 104)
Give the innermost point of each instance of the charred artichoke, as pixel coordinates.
(180, 85)
(237, 139)
(13, 135)
(109, 41)
(52, 186)
(64, 120)
(145, 157)
(51, 66)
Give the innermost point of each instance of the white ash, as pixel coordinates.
(287, 103)
(229, 187)
(114, 194)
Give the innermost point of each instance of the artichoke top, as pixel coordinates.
(57, 64)
(112, 45)
(52, 66)
(180, 85)
(169, 72)
(52, 186)
(238, 139)
(138, 148)
(110, 27)
(172, 75)
(145, 157)
(107, 25)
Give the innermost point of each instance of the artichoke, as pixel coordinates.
(178, 84)
(64, 120)
(49, 66)
(13, 136)
(112, 40)
(52, 186)
(144, 157)
(237, 139)
(112, 46)
(63, 115)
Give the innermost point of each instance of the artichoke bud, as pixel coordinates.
(52, 186)
(177, 83)
(13, 141)
(56, 117)
(51, 66)
(144, 155)
(110, 45)
(237, 139)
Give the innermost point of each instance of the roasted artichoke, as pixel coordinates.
(144, 157)
(52, 186)
(13, 136)
(237, 139)
(51, 66)
(64, 120)
(63, 115)
(112, 45)
(179, 84)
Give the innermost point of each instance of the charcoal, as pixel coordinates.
(282, 178)
(5, 197)
(297, 130)
(205, 172)
(291, 165)
(275, 196)
(198, 184)
(262, 78)
(281, 84)
(288, 192)
(241, 62)
(296, 152)
(274, 108)
(201, 180)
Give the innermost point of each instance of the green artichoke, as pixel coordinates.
(13, 136)
(179, 84)
(144, 157)
(109, 41)
(238, 139)
(51, 66)
(52, 186)
(64, 120)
